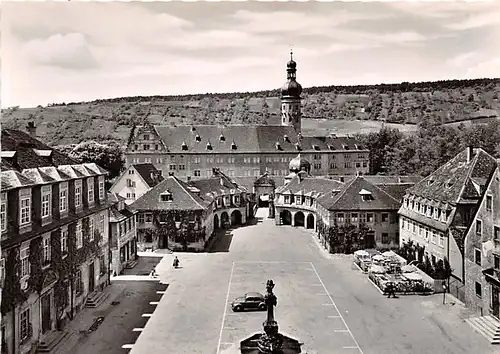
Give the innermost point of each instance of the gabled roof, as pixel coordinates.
(55, 173)
(310, 185)
(146, 170)
(182, 197)
(29, 152)
(116, 215)
(265, 179)
(350, 199)
(449, 182)
(397, 191)
(218, 184)
(36, 175)
(246, 138)
(490, 188)
(14, 179)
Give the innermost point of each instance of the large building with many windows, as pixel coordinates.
(246, 150)
(54, 238)
(354, 213)
(437, 212)
(482, 252)
(184, 216)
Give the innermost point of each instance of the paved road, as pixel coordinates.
(325, 302)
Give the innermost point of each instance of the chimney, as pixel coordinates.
(470, 153)
(31, 129)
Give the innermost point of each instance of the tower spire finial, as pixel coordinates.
(291, 53)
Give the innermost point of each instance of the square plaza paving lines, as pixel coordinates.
(305, 310)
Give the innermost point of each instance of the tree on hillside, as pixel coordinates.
(110, 157)
(380, 145)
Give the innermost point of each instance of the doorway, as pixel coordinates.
(494, 301)
(46, 314)
(91, 278)
(370, 239)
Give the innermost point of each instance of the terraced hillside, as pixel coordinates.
(365, 107)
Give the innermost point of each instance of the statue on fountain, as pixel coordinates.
(270, 341)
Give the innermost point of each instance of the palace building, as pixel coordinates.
(54, 240)
(246, 150)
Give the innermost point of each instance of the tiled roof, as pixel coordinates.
(36, 175)
(218, 184)
(350, 199)
(397, 191)
(119, 215)
(71, 171)
(312, 185)
(55, 173)
(246, 138)
(14, 179)
(182, 197)
(265, 179)
(146, 170)
(30, 152)
(447, 183)
(115, 197)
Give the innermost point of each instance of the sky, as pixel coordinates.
(56, 52)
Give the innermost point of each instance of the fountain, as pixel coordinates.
(270, 341)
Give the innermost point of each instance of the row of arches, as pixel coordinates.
(299, 219)
(227, 220)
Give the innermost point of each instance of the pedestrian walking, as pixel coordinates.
(391, 290)
(153, 274)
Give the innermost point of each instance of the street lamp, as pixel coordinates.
(444, 291)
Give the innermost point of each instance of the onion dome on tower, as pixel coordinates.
(291, 88)
(298, 164)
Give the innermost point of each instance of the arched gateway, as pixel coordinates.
(286, 217)
(299, 219)
(310, 221)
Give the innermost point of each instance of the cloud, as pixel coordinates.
(476, 21)
(68, 51)
(168, 48)
(484, 68)
(462, 59)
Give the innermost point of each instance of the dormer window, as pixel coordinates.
(43, 153)
(449, 184)
(331, 147)
(146, 137)
(193, 129)
(222, 138)
(315, 147)
(429, 182)
(197, 138)
(209, 146)
(345, 147)
(233, 146)
(184, 146)
(365, 195)
(166, 197)
(297, 146)
(278, 146)
(286, 138)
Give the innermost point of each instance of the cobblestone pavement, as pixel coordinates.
(323, 300)
(122, 312)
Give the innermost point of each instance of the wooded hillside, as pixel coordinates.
(111, 119)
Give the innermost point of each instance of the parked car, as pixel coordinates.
(250, 301)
